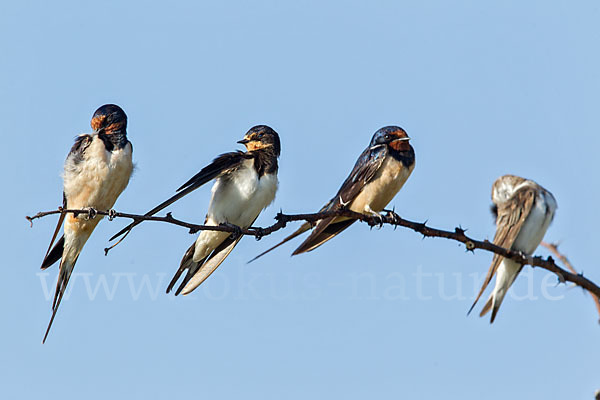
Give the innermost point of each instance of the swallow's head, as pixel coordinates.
(261, 137)
(393, 137)
(109, 119)
(505, 186)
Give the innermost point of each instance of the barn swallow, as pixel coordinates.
(245, 184)
(378, 175)
(96, 171)
(523, 211)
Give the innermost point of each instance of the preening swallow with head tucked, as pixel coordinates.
(245, 184)
(96, 171)
(378, 175)
(523, 211)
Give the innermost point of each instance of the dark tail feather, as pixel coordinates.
(55, 254)
(494, 312)
(49, 325)
(63, 279)
(472, 307)
(212, 261)
(323, 234)
(193, 268)
(186, 264)
(58, 225)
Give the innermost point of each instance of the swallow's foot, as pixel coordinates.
(392, 216)
(376, 216)
(91, 213)
(389, 213)
(237, 231)
(111, 214)
(523, 255)
(259, 233)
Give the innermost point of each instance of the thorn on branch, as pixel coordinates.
(470, 246)
(281, 217)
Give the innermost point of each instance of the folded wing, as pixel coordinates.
(364, 171)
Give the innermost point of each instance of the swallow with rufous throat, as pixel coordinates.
(96, 172)
(378, 175)
(245, 184)
(523, 211)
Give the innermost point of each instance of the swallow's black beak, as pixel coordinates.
(244, 141)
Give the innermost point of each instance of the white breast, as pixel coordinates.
(535, 226)
(239, 198)
(98, 179)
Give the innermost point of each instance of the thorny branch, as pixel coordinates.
(389, 218)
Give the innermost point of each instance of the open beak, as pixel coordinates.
(244, 141)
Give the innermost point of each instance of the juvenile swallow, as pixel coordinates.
(378, 175)
(523, 211)
(96, 171)
(245, 184)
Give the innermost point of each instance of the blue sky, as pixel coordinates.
(483, 90)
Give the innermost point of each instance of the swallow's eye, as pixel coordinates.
(260, 135)
(387, 136)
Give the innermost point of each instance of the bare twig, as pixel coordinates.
(553, 247)
(390, 218)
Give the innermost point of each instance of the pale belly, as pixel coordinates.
(236, 201)
(96, 182)
(534, 228)
(240, 200)
(378, 193)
